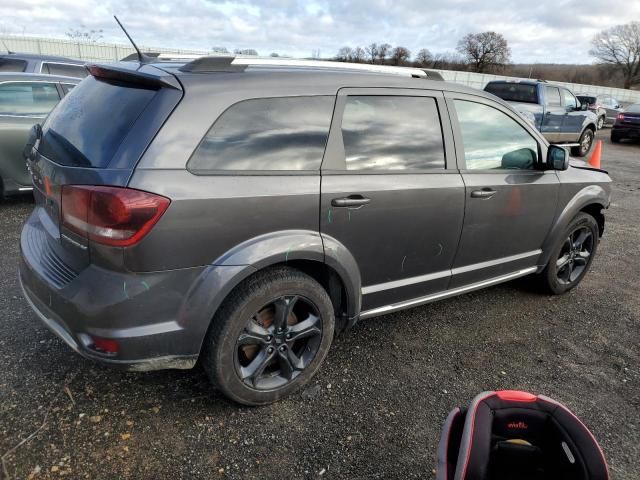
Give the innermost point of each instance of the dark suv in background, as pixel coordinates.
(45, 64)
(243, 211)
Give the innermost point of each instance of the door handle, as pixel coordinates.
(484, 193)
(350, 201)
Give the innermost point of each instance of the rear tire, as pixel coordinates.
(269, 337)
(569, 262)
(600, 123)
(586, 142)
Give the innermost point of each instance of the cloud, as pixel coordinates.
(541, 31)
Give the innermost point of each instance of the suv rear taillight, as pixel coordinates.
(114, 216)
(620, 117)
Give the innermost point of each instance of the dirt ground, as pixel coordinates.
(377, 406)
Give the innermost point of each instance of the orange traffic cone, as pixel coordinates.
(594, 161)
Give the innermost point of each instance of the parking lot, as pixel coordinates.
(375, 409)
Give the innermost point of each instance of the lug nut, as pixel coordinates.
(288, 336)
(270, 350)
(269, 338)
(283, 348)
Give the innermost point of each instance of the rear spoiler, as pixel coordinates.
(134, 77)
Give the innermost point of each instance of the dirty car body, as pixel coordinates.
(313, 185)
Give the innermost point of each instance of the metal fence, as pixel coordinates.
(109, 52)
(89, 51)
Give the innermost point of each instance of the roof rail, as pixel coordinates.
(231, 63)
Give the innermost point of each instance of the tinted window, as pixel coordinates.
(568, 99)
(392, 133)
(635, 108)
(91, 122)
(64, 70)
(67, 87)
(12, 65)
(287, 133)
(587, 100)
(27, 99)
(514, 92)
(494, 140)
(553, 96)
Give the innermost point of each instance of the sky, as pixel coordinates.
(538, 31)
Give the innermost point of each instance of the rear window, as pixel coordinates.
(635, 108)
(586, 99)
(285, 133)
(12, 65)
(90, 123)
(514, 92)
(64, 69)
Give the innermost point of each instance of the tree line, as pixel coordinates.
(616, 52)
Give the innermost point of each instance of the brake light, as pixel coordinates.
(114, 216)
(620, 117)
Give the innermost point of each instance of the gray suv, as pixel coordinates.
(242, 212)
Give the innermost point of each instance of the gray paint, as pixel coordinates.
(422, 237)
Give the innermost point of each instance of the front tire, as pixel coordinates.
(586, 141)
(270, 336)
(600, 123)
(573, 255)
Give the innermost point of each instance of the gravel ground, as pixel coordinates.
(376, 408)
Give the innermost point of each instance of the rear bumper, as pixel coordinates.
(626, 132)
(158, 319)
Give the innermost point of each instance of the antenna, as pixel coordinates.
(5, 46)
(141, 56)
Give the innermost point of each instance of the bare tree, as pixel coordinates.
(383, 52)
(424, 57)
(485, 50)
(245, 51)
(315, 54)
(359, 55)
(620, 46)
(219, 49)
(344, 54)
(400, 55)
(372, 52)
(274, 54)
(84, 34)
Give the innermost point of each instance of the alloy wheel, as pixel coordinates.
(586, 141)
(278, 342)
(574, 255)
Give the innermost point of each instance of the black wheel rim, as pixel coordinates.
(574, 255)
(585, 143)
(278, 342)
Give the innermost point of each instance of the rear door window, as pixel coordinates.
(392, 133)
(64, 69)
(284, 133)
(91, 122)
(28, 99)
(12, 65)
(552, 96)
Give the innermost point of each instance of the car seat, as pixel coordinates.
(519, 436)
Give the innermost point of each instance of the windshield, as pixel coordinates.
(514, 92)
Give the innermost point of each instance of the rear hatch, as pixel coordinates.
(95, 136)
(629, 119)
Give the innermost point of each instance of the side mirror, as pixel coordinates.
(557, 157)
